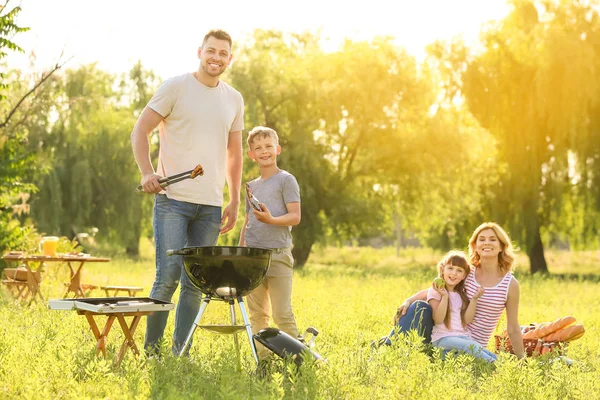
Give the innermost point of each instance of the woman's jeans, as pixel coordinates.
(178, 224)
(465, 344)
(419, 317)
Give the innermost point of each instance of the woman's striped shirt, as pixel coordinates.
(489, 307)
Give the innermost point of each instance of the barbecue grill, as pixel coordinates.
(224, 273)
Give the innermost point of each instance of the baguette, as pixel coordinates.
(546, 330)
(566, 334)
(576, 337)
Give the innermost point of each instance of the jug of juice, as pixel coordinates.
(48, 245)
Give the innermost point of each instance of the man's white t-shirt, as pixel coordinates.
(195, 130)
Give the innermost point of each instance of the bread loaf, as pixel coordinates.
(566, 334)
(546, 330)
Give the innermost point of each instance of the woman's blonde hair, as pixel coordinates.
(506, 257)
(458, 259)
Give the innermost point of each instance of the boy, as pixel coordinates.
(271, 228)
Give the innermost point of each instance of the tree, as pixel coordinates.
(93, 177)
(532, 87)
(20, 109)
(359, 135)
(283, 98)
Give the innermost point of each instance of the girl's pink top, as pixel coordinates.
(456, 326)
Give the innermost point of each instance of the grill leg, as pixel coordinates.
(235, 337)
(205, 302)
(248, 328)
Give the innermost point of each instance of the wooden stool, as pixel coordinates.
(17, 274)
(23, 283)
(18, 289)
(131, 290)
(128, 330)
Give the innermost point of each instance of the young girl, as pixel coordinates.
(452, 310)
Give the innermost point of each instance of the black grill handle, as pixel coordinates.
(180, 252)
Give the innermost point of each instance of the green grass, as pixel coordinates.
(350, 295)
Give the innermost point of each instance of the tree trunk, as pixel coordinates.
(301, 254)
(537, 261)
(398, 228)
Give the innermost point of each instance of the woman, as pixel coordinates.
(491, 255)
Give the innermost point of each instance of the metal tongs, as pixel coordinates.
(169, 180)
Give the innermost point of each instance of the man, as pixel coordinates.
(201, 121)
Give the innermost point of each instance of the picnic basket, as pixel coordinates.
(542, 338)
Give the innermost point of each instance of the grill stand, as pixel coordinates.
(224, 329)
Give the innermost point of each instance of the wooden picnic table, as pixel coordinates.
(34, 264)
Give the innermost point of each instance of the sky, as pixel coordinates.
(165, 35)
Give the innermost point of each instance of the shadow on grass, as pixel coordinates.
(411, 271)
(594, 278)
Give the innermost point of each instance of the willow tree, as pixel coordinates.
(578, 219)
(531, 86)
(92, 180)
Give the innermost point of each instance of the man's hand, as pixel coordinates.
(229, 217)
(150, 183)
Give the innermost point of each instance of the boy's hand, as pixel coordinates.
(263, 216)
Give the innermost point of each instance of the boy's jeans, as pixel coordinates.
(465, 344)
(178, 224)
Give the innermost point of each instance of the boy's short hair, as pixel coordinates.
(217, 34)
(262, 132)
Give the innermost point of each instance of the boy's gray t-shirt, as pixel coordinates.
(275, 193)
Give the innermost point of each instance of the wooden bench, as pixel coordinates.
(83, 289)
(131, 290)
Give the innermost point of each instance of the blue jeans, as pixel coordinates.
(419, 317)
(465, 344)
(178, 224)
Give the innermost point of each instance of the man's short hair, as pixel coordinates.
(262, 132)
(217, 34)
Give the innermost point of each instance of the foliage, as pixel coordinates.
(8, 28)
(534, 87)
(358, 136)
(93, 178)
(57, 349)
(382, 146)
(16, 162)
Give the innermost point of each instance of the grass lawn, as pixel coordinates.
(350, 295)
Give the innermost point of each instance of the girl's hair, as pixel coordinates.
(458, 259)
(506, 257)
